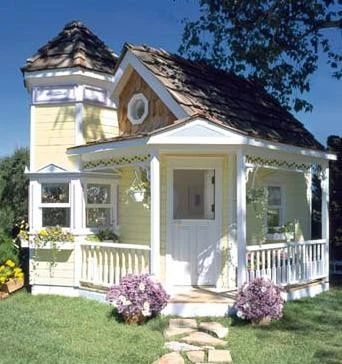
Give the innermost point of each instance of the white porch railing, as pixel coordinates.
(104, 264)
(288, 263)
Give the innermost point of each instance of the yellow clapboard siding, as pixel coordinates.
(60, 274)
(99, 123)
(134, 218)
(54, 132)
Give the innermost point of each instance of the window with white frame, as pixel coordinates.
(55, 204)
(99, 205)
(137, 109)
(275, 209)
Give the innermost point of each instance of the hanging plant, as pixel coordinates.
(139, 190)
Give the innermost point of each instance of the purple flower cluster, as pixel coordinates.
(259, 299)
(138, 295)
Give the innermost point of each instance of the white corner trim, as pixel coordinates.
(130, 59)
(32, 137)
(79, 115)
(155, 213)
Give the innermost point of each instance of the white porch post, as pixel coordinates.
(155, 214)
(241, 216)
(325, 214)
(77, 218)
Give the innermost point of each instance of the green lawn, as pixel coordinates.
(49, 329)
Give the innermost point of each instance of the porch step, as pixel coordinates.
(198, 294)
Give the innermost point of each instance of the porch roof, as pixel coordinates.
(213, 133)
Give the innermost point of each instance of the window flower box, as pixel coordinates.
(59, 245)
(276, 237)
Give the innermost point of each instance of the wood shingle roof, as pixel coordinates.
(74, 46)
(225, 98)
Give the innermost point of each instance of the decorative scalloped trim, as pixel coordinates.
(125, 160)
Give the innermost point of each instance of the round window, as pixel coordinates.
(137, 109)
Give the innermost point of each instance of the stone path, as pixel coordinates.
(203, 343)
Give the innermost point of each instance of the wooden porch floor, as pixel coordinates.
(199, 294)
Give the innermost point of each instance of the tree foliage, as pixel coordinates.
(13, 189)
(276, 42)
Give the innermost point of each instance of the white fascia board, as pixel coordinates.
(69, 175)
(181, 135)
(130, 59)
(108, 146)
(66, 76)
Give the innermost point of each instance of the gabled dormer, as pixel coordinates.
(70, 81)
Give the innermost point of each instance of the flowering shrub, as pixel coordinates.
(138, 297)
(9, 270)
(258, 300)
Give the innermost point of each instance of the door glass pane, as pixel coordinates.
(193, 194)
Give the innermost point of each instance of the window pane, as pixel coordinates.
(56, 216)
(98, 193)
(274, 196)
(55, 192)
(273, 218)
(193, 194)
(98, 217)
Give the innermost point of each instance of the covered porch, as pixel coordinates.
(236, 251)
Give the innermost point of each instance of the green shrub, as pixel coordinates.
(8, 251)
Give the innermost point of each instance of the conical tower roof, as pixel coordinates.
(74, 46)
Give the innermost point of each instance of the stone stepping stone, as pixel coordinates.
(171, 358)
(214, 328)
(178, 346)
(183, 323)
(176, 331)
(201, 339)
(219, 356)
(196, 356)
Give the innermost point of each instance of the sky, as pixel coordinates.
(26, 25)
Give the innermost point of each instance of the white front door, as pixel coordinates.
(194, 222)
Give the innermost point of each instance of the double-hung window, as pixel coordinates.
(275, 209)
(55, 204)
(99, 205)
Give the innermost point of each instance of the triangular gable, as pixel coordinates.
(52, 168)
(129, 61)
(196, 131)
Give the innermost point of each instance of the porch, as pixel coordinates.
(299, 267)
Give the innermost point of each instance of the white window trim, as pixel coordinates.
(112, 205)
(134, 98)
(281, 206)
(42, 205)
